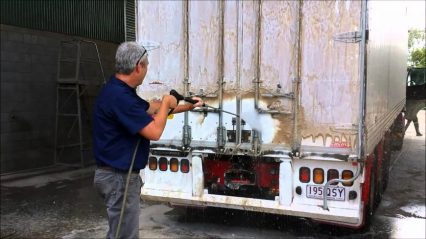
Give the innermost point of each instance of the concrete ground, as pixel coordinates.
(61, 203)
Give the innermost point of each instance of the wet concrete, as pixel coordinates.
(59, 203)
(41, 207)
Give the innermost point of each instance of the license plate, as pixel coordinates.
(333, 192)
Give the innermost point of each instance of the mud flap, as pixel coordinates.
(286, 182)
(197, 176)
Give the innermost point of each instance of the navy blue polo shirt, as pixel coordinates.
(119, 114)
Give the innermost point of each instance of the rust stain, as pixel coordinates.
(284, 129)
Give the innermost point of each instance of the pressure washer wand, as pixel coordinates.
(192, 101)
(224, 111)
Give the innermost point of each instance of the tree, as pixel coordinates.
(416, 48)
(418, 57)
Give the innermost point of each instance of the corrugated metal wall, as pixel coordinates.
(130, 27)
(102, 20)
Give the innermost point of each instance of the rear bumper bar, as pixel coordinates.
(335, 215)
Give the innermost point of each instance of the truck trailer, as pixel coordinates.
(306, 101)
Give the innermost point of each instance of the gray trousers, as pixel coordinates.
(111, 185)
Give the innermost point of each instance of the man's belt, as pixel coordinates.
(108, 168)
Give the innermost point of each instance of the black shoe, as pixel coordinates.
(419, 134)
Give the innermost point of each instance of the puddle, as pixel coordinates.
(415, 210)
(408, 228)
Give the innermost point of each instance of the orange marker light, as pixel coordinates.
(347, 174)
(152, 163)
(318, 175)
(174, 164)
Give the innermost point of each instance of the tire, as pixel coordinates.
(386, 165)
(397, 146)
(398, 132)
(378, 187)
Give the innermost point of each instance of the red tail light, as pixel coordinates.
(332, 174)
(163, 163)
(184, 165)
(304, 174)
(152, 162)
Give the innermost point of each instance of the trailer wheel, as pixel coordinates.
(378, 185)
(398, 132)
(386, 162)
(397, 145)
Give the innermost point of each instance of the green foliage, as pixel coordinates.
(418, 57)
(416, 48)
(414, 36)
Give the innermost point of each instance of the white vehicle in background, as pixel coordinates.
(316, 89)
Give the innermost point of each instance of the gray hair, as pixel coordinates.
(127, 56)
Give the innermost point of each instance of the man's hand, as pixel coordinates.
(200, 102)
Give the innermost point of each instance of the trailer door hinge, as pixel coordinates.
(348, 37)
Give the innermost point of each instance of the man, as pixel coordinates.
(416, 99)
(120, 120)
(412, 107)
